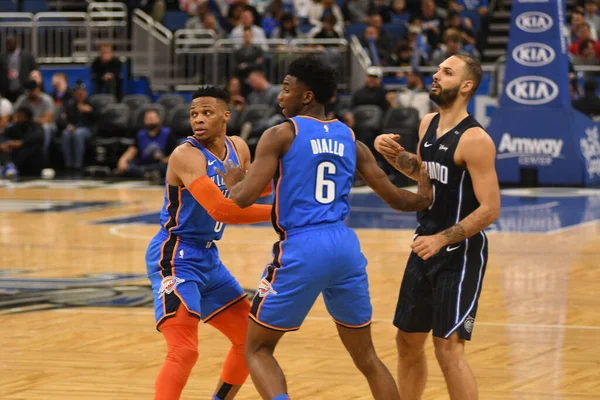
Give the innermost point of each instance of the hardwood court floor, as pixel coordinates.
(537, 333)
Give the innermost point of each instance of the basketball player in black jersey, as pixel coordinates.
(443, 277)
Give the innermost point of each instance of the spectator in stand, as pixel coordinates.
(396, 13)
(263, 92)
(415, 95)
(589, 103)
(430, 22)
(372, 93)
(577, 21)
(247, 57)
(317, 12)
(79, 117)
(149, 156)
(247, 22)
(190, 6)
(463, 25)
(6, 112)
(196, 21)
(61, 93)
(328, 28)
(591, 14)
(210, 22)
(272, 16)
(42, 106)
(584, 33)
(234, 16)
(481, 7)
(244, 5)
(287, 28)
(15, 66)
(36, 75)
(381, 49)
(358, 11)
(586, 56)
(22, 145)
(106, 72)
(234, 89)
(403, 55)
(452, 46)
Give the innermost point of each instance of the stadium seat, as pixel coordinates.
(175, 20)
(113, 121)
(168, 101)
(34, 6)
(403, 121)
(355, 29)
(396, 30)
(179, 121)
(100, 101)
(135, 101)
(8, 6)
(255, 113)
(234, 123)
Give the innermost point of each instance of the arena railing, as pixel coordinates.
(21, 26)
(142, 45)
(359, 62)
(108, 24)
(277, 50)
(334, 52)
(61, 37)
(193, 58)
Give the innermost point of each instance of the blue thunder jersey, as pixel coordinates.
(315, 176)
(182, 215)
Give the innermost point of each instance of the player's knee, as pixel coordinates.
(367, 362)
(252, 348)
(184, 356)
(409, 346)
(448, 352)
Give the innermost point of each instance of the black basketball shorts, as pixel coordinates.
(442, 293)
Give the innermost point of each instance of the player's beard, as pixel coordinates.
(445, 98)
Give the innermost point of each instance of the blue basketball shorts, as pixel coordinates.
(189, 273)
(317, 259)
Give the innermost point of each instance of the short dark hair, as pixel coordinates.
(314, 73)
(473, 71)
(211, 91)
(584, 44)
(26, 111)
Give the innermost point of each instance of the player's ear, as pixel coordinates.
(309, 96)
(467, 86)
(226, 113)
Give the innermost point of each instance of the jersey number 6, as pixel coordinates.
(325, 188)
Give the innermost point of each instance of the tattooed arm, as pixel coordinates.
(397, 156)
(475, 152)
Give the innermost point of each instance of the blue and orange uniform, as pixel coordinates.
(316, 252)
(182, 260)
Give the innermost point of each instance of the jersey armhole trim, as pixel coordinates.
(294, 125)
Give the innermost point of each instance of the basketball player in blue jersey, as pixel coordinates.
(313, 161)
(444, 274)
(188, 279)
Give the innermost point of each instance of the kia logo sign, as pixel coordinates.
(532, 90)
(534, 22)
(533, 54)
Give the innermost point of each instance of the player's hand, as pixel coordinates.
(428, 246)
(425, 188)
(232, 174)
(388, 146)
